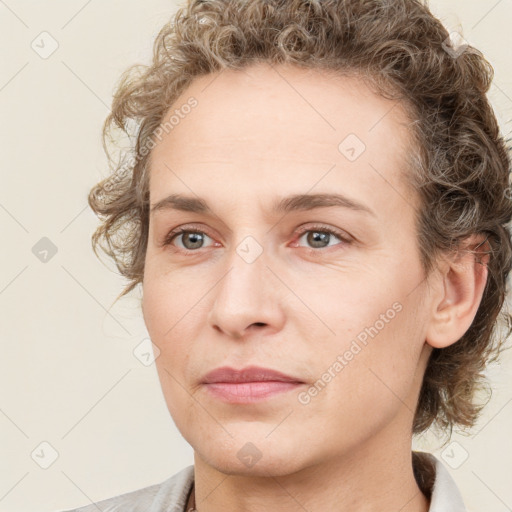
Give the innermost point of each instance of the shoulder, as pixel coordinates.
(167, 496)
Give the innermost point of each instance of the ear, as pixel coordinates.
(460, 286)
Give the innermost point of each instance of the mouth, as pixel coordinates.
(248, 385)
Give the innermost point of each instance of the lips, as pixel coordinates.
(249, 385)
(248, 374)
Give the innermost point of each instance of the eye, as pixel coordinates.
(191, 239)
(319, 237)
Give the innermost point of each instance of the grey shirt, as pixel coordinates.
(171, 494)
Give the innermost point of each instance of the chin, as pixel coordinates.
(261, 457)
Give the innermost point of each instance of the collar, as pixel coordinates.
(432, 476)
(436, 482)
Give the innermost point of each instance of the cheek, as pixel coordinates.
(370, 361)
(377, 367)
(173, 314)
(168, 302)
(162, 311)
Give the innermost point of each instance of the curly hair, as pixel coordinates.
(460, 168)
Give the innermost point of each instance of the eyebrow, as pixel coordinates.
(297, 202)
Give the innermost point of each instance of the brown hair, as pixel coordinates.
(461, 170)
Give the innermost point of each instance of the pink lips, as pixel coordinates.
(248, 384)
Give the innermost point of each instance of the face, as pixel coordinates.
(328, 291)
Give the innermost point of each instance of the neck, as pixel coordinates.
(367, 479)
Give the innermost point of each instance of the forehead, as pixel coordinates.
(284, 129)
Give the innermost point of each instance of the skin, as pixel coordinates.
(256, 135)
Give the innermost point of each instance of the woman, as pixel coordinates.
(316, 208)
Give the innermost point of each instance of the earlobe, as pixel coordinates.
(460, 289)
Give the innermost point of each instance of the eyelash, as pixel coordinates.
(319, 228)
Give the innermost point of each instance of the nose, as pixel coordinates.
(247, 298)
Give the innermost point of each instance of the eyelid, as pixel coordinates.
(342, 235)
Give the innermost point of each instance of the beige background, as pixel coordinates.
(68, 373)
